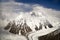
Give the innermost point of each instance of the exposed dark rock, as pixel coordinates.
(50, 26)
(47, 23)
(45, 26)
(25, 29)
(8, 26)
(36, 28)
(16, 28)
(50, 36)
(40, 27)
(56, 37)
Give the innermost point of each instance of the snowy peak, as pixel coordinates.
(27, 22)
(31, 19)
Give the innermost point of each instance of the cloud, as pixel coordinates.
(10, 10)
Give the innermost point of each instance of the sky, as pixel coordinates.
(38, 1)
(54, 4)
(10, 9)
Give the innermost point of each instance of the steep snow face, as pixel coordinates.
(32, 19)
(28, 22)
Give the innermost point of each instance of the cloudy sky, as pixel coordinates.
(10, 9)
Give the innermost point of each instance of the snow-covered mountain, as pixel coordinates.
(31, 25)
(29, 22)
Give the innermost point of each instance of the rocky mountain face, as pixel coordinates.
(51, 36)
(26, 23)
(24, 29)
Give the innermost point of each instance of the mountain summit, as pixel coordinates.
(28, 22)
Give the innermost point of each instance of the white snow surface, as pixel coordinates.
(5, 35)
(32, 19)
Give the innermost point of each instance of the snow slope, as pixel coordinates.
(5, 35)
(34, 20)
(31, 19)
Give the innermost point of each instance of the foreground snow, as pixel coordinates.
(5, 35)
(35, 35)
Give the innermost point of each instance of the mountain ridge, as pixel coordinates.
(28, 21)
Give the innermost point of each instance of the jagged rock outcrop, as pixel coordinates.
(24, 29)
